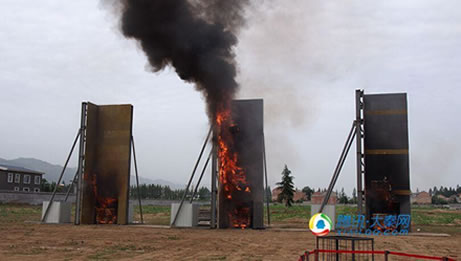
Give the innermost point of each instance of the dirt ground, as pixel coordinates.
(136, 242)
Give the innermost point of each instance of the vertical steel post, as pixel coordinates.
(137, 180)
(267, 184)
(81, 159)
(353, 249)
(359, 156)
(214, 190)
(372, 249)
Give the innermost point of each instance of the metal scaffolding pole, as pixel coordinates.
(137, 179)
(201, 176)
(81, 161)
(214, 190)
(60, 177)
(267, 184)
(359, 154)
(339, 166)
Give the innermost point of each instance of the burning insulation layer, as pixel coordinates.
(240, 165)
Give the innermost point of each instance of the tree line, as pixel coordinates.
(447, 192)
(147, 191)
(154, 191)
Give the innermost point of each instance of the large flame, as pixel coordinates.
(232, 177)
(106, 207)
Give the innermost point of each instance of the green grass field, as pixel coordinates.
(425, 218)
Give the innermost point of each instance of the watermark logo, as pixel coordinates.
(386, 225)
(320, 224)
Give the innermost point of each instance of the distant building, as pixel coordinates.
(19, 179)
(455, 198)
(317, 198)
(442, 197)
(275, 194)
(298, 195)
(422, 197)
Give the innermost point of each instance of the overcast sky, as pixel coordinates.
(305, 58)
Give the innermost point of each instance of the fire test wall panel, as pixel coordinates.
(387, 171)
(248, 116)
(107, 159)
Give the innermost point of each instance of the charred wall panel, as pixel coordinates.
(107, 164)
(387, 171)
(248, 137)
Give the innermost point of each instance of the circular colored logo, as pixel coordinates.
(320, 224)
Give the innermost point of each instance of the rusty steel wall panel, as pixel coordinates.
(387, 169)
(107, 160)
(248, 116)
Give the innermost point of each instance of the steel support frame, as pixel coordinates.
(191, 177)
(214, 181)
(339, 166)
(81, 163)
(359, 150)
(137, 180)
(266, 192)
(60, 178)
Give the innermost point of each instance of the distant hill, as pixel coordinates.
(52, 171)
(162, 182)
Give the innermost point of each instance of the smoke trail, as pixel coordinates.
(196, 37)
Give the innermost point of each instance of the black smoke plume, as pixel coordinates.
(196, 37)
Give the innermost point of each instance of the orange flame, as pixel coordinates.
(231, 176)
(106, 207)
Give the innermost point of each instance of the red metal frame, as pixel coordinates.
(315, 252)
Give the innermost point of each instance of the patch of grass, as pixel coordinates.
(436, 217)
(16, 213)
(346, 210)
(280, 213)
(154, 210)
(101, 255)
(155, 215)
(126, 247)
(173, 238)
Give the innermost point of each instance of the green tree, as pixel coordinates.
(45, 186)
(287, 188)
(354, 196)
(308, 191)
(343, 197)
(204, 193)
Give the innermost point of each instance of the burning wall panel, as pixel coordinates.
(107, 164)
(242, 205)
(387, 178)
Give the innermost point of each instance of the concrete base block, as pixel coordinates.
(188, 217)
(329, 210)
(59, 212)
